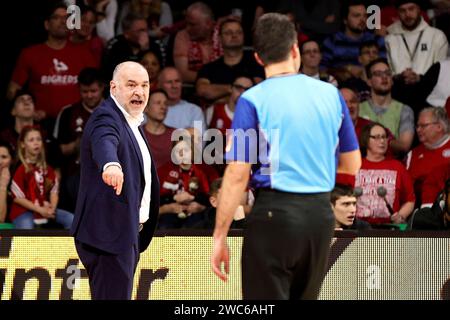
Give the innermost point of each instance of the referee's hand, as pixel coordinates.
(113, 176)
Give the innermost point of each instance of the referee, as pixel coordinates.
(304, 135)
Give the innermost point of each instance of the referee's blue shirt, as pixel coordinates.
(291, 129)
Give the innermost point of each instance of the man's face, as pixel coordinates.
(131, 89)
(239, 86)
(356, 19)
(151, 63)
(368, 54)
(91, 95)
(157, 107)
(197, 25)
(409, 14)
(87, 24)
(352, 102)
(172, 84)
(345, 210)
(137, 30)
(23, 107)
(381, 79)
(56, 25)
(232, 36)
(428, 129)
(311, 55)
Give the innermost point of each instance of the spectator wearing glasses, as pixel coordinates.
(434, 148)
(220, 115)
(311, 57)
(392, 114)
(378, 171)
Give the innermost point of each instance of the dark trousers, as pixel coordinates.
(286, 245)
(110, 276)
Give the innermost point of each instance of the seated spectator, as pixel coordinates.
(106, 12)
(368, 52)
(392, 114)
(434, 148)
(340, 51)
(157, 133)
(181, 114)
(85, 35)
(184, 189)
(215, 78)
(434, 183)
(210, 213)
(311, 57)
(351, 100)
(50, 69)
(35, 186)
(69, 129)
(220, 116)
(151, 63)
(436, 217)
(23, 113)
(6, 157)
(157, 13)
(388, 193)
(412, 44)
(343, 202)
(128, 46)
(198, 44)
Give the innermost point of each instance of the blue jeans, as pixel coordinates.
(26, 219)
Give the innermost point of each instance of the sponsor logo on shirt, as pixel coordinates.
(446, 153)
(57, 79)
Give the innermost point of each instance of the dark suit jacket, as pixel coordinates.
(103, 219)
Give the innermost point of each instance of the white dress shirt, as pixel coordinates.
(134, 123)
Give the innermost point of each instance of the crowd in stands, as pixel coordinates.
(394, 78)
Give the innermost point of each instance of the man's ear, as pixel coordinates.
(46, 25)
(213, 201)
(258, 59)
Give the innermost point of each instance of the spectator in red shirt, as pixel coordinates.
(434, 148)
(184, 188)
(6, 157)
(35, 186)
(51, 69)
(377, 171)
(85, 35)
(157, 133)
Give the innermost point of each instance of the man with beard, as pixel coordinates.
(50, 69)
(341, 50)
(412, 45)
(381, 108)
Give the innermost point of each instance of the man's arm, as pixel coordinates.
(403, 143)
(180, 57)
(210, 91)
(349, 162)
(13, 87)
(233, 186)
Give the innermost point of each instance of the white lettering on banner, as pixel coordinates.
(59, 79)
(370, 204)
